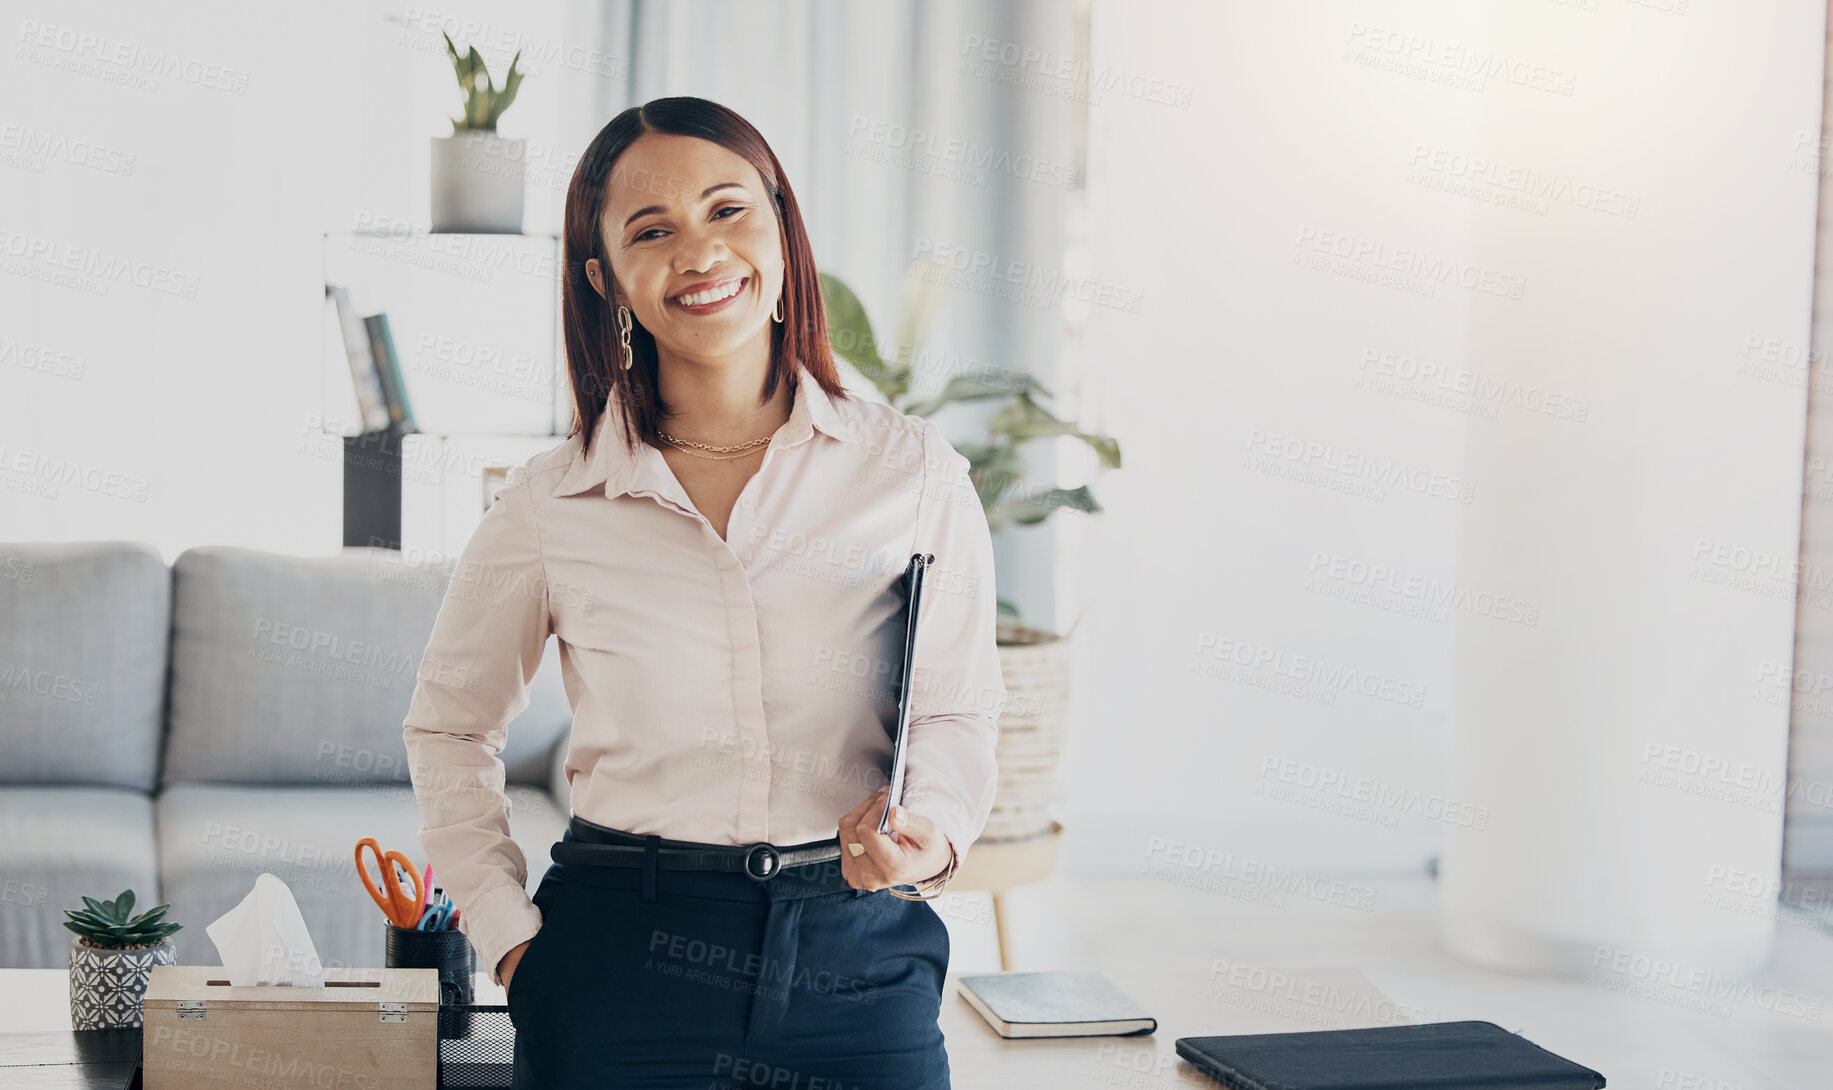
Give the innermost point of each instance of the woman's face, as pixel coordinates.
(694, 245)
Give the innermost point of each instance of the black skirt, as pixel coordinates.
(656, 978)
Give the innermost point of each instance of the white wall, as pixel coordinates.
(1214, 212)
(1629, 764)
(181, 418)
(1211, 211)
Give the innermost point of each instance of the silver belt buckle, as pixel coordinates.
(762, 862)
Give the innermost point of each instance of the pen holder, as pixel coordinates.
(449, 952)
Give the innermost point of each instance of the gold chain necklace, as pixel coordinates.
(743, 449)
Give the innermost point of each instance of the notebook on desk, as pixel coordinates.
(1061, 1004)
(913, 600)
(1434, 1056)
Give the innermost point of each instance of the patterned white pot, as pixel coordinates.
(107, 985)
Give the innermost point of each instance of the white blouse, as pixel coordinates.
(729, 690)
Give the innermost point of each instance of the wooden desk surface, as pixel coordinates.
(1202, 1001)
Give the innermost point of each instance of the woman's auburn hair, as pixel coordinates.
(594, 360)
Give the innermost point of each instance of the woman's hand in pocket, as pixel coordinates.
(507, 967)
(914, 850)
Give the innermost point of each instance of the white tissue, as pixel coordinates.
(263, 940)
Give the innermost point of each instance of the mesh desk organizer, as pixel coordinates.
(477, 1045)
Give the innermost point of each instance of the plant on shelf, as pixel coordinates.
(477, 178)
(484, 102)
(1034, 664)
(112, 957)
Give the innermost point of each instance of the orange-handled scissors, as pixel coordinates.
(401, 910)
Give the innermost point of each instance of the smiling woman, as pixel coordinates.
(721, 905)
(682, 197)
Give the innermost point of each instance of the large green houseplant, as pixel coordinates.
(995, 464)
(1034, 663)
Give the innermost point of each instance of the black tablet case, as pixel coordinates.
(912, 583)
(1434, 1056)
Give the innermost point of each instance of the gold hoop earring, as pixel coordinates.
(776, 313)
(623, 334)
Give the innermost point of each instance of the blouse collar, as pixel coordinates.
(613, 465)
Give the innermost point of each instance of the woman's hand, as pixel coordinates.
(914, 850)
(507, 966)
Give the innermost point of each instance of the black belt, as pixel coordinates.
(760, 862)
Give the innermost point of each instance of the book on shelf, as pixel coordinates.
(375, 367)
(371, 403)
(388, 369)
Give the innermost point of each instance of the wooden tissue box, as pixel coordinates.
(366, 1029)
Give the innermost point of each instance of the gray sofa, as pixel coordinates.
(179, 730)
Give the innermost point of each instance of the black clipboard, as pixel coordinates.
(913, 600)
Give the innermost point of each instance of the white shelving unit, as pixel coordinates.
(476, 323)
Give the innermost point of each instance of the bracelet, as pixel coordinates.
(935, 884)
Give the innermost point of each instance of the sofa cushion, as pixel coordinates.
(300, 669)
(63, 844)
(216, 839)
(82, 662)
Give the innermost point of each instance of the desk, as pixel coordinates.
(1186, 1003)
(35, 1031)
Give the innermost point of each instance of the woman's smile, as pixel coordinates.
(711, 296)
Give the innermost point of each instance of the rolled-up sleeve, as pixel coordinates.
(485, 647)
(957, 691)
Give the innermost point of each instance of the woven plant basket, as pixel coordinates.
(1035, 665)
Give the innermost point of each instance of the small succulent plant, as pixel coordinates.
(484, 102)
(107, 923)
